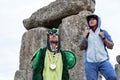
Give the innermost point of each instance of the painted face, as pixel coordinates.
(53, 38)
(53, 35)
(93, 22)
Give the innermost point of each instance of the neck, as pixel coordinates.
(53, 46)
(93, 28)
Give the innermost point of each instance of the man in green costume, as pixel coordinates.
(52, 63)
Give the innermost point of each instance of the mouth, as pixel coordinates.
(55, 42)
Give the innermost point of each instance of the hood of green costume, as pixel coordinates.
(50, 32)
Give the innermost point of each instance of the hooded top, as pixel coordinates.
(95, 50)
(95, 17)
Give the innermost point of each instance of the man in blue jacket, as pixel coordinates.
(96, 59)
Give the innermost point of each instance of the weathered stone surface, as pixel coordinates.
(51, 15)
(117, 66)
(118, 59)
(20, 75)
(89, 4)
(71, 29)
(117, 69)
(31, 41)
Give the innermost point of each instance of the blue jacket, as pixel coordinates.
(95, 49)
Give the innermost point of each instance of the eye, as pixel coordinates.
(56, 34)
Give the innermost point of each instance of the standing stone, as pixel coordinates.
(31, 41)
(118, 59)
(20, 75)
(117, 67)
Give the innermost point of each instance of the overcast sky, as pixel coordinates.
(12, 13)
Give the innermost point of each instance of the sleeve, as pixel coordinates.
(34, 55)
(71, 59)
(108, 36)
(35, 58)
(81, 40)
(38, 64)
(65, 73)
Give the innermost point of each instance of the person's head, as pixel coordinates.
(53, 37)
(92, 21)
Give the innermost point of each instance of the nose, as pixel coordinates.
(54, 34)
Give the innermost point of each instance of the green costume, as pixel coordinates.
(48, 67)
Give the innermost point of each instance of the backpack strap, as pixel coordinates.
(101, 30)
(87, 35)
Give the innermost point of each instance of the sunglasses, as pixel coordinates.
(53, 32)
